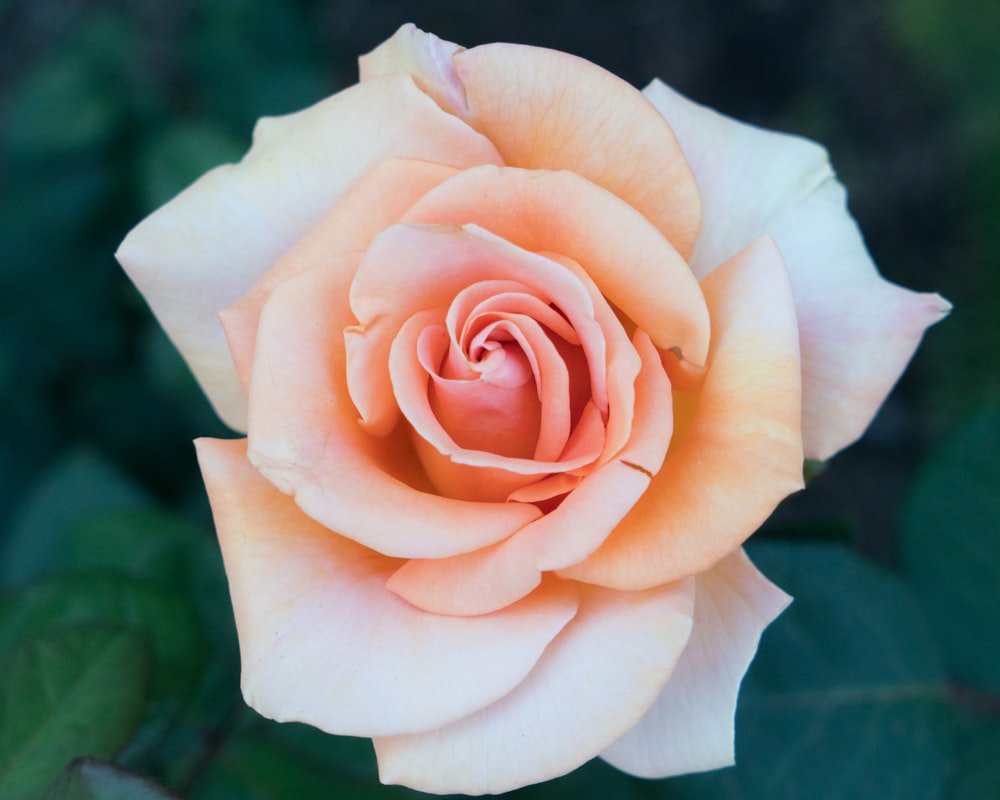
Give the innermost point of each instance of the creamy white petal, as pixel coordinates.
(208, 246)
(594, 681)
(857, 331)
(690, 726)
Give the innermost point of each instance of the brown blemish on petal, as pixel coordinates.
(636, 467)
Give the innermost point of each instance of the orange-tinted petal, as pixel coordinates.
(741, 452)
(413, 389)
(593, 683)
(531, 321)
(549, 110)
(323, 642)
(454, 470)
(622, 365)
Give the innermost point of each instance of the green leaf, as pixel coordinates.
(55, 602)
(175, 556)
(184, 561)
(975, 774)
(80, 484)
(91, 779)
(79, 690)
(154, 546)
(950, 549)
(846, 697)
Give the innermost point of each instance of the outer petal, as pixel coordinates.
(423, 56)
(304, 436)
(593, 683)
(739, 454)
(548, 110)
(857, 330)
(321, 639)
(209, 245)
(690, 726)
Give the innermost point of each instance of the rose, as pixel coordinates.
(533, 354)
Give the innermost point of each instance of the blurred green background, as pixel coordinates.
(109, 108)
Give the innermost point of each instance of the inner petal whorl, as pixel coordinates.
(488, 392)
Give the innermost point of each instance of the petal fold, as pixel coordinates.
(593, 683)
(323, 642)
(411, 268)
(423, 56)
(690, 726)
(372, 203)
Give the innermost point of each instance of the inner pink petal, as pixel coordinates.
(501, 358)
(411, 267)
(411, 364)
(552, 381)
(622, 364)
(498, 416)
(484, 297)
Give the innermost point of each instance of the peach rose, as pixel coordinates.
(523, 356)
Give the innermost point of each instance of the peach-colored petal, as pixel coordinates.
(423, 56)
(494, 577)
(411, 267)
(323, 642)
(623, 365)
(627, 257)
(411, 383)
(444, 459)
(500, 411)
(857, 330)
(549, 110)
(374, 202)
(690, 726)
(548, 488)
(741, 452)
(532, 320)
(304, 435)
(593, 683)
(208, 246)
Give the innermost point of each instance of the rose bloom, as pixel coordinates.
(523, 356)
